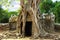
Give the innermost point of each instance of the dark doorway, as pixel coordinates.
(28, 29)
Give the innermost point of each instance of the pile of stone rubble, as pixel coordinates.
(6, 35)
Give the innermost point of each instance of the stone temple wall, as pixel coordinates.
(57, 26)
(4, 26)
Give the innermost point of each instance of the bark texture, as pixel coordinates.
(42, 25)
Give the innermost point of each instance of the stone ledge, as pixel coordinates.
(57, 25)
(27, 39)
(4, 26)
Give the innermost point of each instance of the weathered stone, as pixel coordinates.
(4, 26)
(30, 23)
(13, 22)
(48, 22)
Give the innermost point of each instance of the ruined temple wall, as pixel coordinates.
(4, 26)
(57, 26)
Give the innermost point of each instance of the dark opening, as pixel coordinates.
(28, 29)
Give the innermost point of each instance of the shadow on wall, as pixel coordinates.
(57, 27)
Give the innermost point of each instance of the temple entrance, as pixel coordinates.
(28, 29)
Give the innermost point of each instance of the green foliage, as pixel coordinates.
(46, 6)
(12, 13)
(56, 11)
(5, 15)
